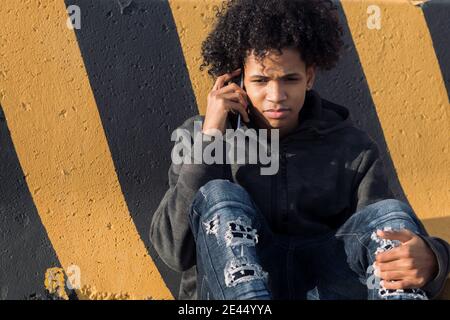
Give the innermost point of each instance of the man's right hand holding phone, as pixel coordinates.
(223, 99)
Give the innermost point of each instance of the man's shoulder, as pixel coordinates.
(346, 131)
(357, 137)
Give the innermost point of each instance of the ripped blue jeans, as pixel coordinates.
(239, 258)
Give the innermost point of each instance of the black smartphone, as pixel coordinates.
(236, 118)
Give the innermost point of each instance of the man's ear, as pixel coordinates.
(310, 76)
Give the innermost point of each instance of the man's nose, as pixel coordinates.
(275, 92)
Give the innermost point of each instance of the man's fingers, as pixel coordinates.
(402, 235)
(220, 81)
(236, 97)
(231, 106)
(235, 106)
(391, 255)
(232, 87)
(396, 265)
(408, 275)
(393, 275)
(243, 113)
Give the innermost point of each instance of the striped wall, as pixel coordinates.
(86, 117)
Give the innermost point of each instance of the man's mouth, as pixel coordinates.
(277, 113)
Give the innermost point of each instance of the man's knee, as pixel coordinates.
(389, 210)
(213, 196)
(390, 205)
(220, 192)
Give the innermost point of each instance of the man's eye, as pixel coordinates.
(261, 80)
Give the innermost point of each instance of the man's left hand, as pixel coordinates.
(411, 265)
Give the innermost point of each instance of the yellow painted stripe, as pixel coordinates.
(194, 20)
(408, 90)
(62, 148)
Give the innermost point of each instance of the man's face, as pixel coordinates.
(277, 90)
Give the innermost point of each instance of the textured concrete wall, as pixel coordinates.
(86, 117)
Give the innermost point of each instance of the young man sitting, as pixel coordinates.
(326, 225)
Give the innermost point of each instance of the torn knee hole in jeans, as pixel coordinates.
(239, 270)
(212, 226)
(240, 232)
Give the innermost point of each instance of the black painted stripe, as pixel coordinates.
(142, 88)
(25, 249)
(437, 15)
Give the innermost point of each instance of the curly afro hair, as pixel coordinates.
(243, 26)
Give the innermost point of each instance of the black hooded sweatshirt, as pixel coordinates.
(328, 170)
